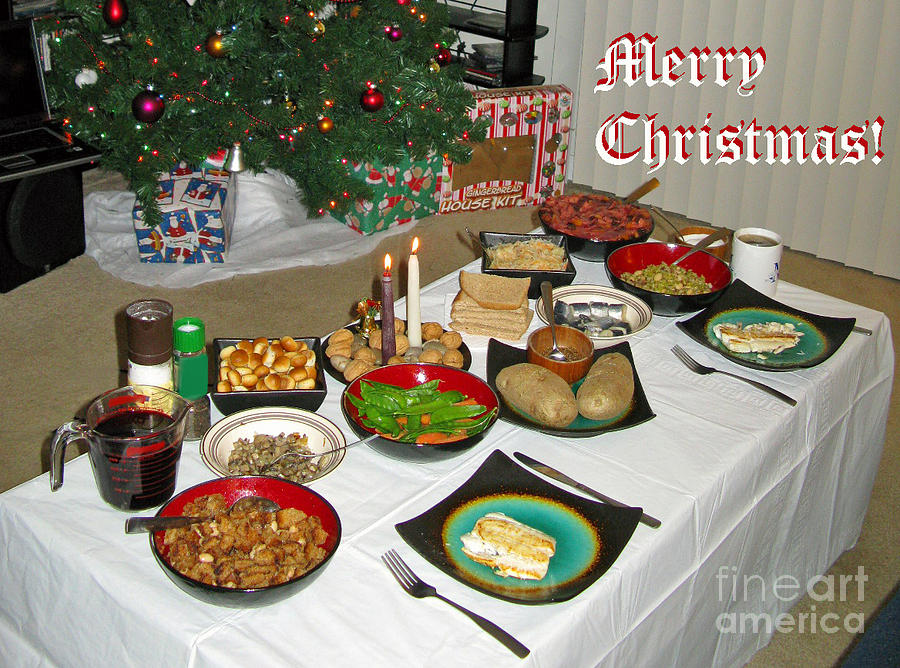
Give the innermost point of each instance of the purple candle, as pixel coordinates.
(388, 340)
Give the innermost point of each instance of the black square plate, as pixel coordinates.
(501, 355)
(589, 535)
(822, 335)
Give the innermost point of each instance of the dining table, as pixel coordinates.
(751, 493)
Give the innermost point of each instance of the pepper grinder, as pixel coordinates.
(149, 333)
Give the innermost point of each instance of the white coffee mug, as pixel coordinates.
(756, 258)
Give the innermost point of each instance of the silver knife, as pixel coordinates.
(862, 330)
(551, 472)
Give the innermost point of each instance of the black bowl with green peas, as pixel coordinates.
(423, 412)
(645, 270)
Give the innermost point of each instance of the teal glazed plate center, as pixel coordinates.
(577, 542)
(811, 345)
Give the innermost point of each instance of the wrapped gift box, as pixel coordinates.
(523, 159)
(197, 207)
(403, 192)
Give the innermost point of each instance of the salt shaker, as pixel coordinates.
(192, 373)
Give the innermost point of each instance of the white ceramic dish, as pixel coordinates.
(322, 435)
(636, 313)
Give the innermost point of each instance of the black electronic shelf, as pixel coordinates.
(516, 27)
(494, 24)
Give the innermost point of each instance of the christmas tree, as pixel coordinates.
(307, 87)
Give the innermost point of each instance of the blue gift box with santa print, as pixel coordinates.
(197, 207)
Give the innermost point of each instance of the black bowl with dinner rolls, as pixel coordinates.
(667, 300)
(575, 344)
(537, 257)
(268, 371)
(595, 225)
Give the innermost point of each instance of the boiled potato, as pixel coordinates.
(607, 388)
(538, 392)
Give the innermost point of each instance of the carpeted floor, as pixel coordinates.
(63, 337)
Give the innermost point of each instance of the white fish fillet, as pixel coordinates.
(762, 337)
(511, 548)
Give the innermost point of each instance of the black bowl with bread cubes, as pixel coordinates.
(537, 257)
(267, 371)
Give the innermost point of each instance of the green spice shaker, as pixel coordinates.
(192, 373)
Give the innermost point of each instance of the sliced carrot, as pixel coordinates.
(425, 418)
(468, 401)
(433, 437)
(401, 419)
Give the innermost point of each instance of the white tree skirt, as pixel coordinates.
(271, 231)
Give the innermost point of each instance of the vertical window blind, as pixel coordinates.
(830, 76)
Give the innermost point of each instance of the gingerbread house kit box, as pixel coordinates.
(197, 207)
(523, 159)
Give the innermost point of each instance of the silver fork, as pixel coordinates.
(414, 586)
(696, 367)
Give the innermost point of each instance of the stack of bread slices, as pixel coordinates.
(490, 305)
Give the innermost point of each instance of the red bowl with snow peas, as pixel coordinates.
(423, 412)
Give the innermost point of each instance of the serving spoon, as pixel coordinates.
(148, 524)
(555, 353)
(476, 239)
(640, 191)
(310, 455)
(668, 222)
(708, 240)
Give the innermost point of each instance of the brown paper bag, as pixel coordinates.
(501, 159)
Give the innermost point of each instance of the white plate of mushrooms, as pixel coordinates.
(244, 442)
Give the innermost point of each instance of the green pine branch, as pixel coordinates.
(279, 74)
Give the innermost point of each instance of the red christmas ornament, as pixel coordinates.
(115, 12)
(444, 56)
(394, 33)
(147, 106)
(371, 100)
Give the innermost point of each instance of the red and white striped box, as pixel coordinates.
(523, 159)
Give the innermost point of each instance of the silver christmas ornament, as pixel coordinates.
(235, 160)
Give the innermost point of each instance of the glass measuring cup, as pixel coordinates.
(134, 437)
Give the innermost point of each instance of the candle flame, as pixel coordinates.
(415, 245)
(387, 262)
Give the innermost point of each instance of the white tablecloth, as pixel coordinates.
(744, 484)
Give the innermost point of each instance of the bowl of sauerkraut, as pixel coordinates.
(645, 270)
(538, 257)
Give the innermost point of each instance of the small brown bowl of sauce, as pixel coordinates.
(575, 344)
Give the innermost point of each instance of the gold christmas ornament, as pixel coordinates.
(318, 29)
(325, 125)
(215, 45)
(434, 67)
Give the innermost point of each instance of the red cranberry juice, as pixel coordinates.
(137, 463)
